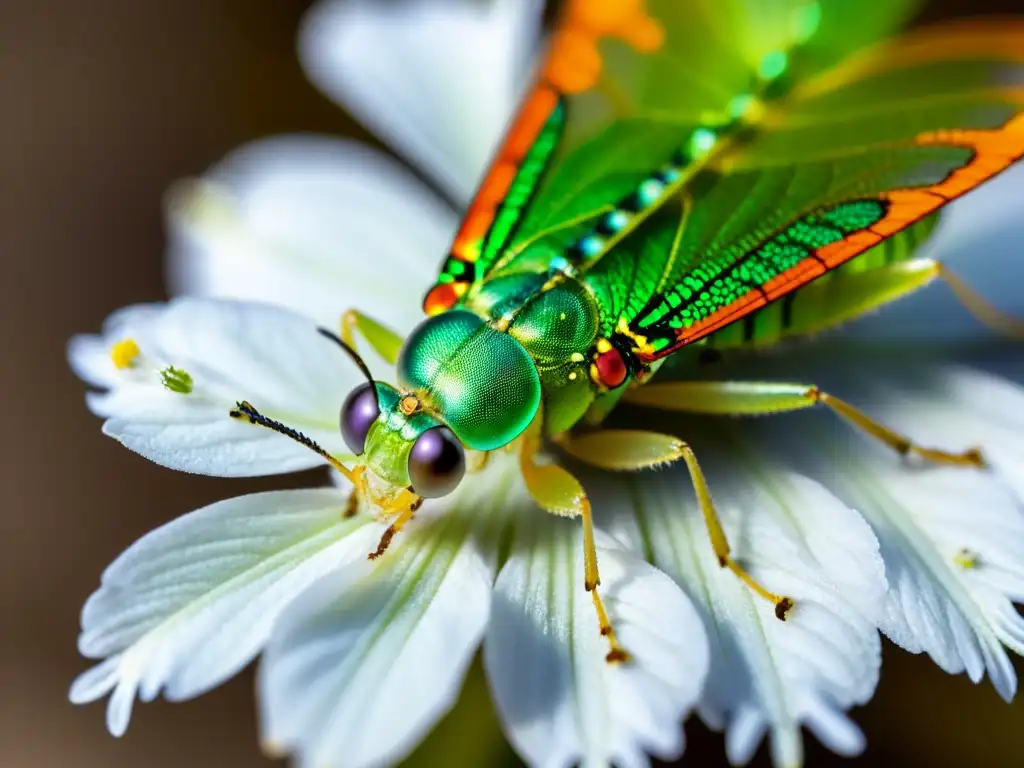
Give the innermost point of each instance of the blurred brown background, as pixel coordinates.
(102, 105)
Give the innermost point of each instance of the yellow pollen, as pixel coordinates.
(966, 559)
(124, 354)
(409, 404)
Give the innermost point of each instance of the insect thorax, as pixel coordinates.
(556, 321)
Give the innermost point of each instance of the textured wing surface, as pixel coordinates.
(630, 87)
(843, 161)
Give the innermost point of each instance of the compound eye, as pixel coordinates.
(357, 416)
(436, 463)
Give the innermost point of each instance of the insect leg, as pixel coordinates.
(752, 398)
(627, 449)
(623, 450)
(382, 339)
(408, 507)
(558, 492)
(979, 307)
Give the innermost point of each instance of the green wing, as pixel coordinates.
(845, 160)
(628, 87)
(694, 162)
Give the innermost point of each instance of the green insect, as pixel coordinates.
(683, 176)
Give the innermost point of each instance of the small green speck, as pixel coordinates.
(176, 380)
(772, 65)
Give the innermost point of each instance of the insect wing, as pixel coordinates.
(845, 160)
(627, 86)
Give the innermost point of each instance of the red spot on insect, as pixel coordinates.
(443, 296)
(611, 368)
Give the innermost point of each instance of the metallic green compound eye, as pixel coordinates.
(483, 382)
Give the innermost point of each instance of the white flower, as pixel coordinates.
(361, 658)
(933, 557)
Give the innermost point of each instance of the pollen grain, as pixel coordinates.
(125, 354)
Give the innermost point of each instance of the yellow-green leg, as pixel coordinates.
(979, 307)
(753, 398)
(381, 339)
(622, 450)
(558, 492)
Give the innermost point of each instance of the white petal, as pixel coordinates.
(796, 539)
(979, 238)
(191, 603)
(365, 663)
(930, 519)
(437, 80)
(560, 701)
(233, 351)
(988, 412)
(317, 225)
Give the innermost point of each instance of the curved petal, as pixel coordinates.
(437, 80)
(559, 700)
(952, 538)
(365, 663)
(90, 356)
(989, 413)
(222, 352)
(317, 225)
(191, 603)
(979, 238)
(798, 540)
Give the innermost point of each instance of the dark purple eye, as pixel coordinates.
(357, 416)
(436, 463)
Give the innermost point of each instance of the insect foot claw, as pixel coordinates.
(385, 541)
(783, 607)
(617, 656)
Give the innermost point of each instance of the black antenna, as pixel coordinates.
(355, 358)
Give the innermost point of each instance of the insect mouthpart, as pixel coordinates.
(380, 492)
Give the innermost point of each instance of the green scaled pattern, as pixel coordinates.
(707, 287)
(482, 381)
